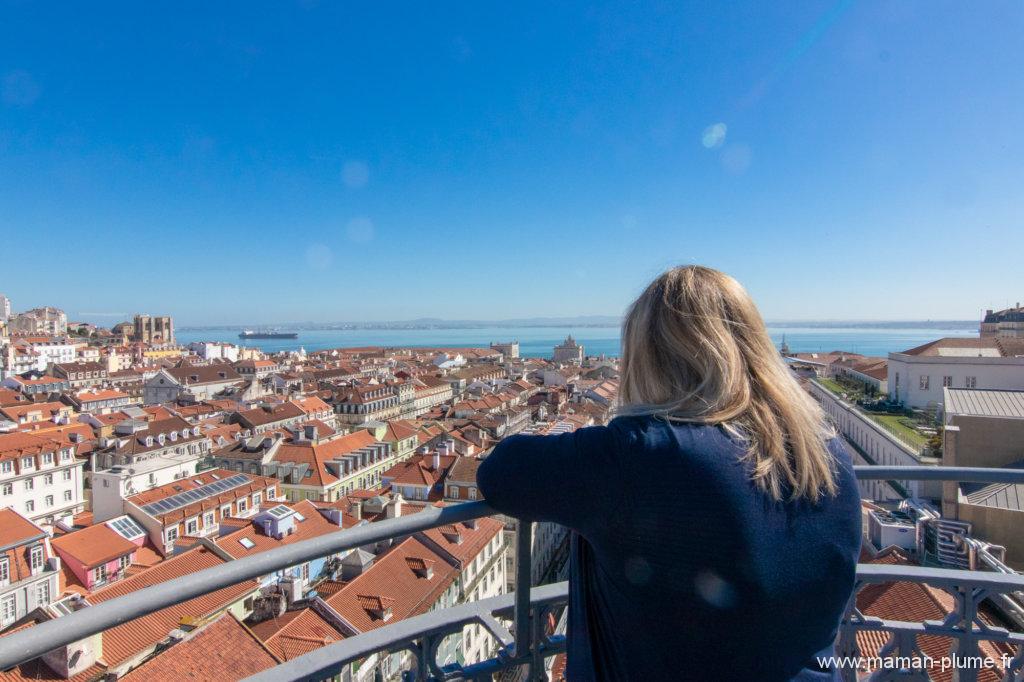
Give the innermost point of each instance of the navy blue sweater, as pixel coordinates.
(681, 568)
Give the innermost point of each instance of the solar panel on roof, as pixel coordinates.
(188, 497)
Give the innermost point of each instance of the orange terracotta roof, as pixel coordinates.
(392, 582)
(128, 639)
(94, 545)
(223, 650)
(317, 455)
(295, 633)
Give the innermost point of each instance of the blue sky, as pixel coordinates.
(262, 162)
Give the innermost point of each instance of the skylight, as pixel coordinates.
(247, 543)
(126, 527)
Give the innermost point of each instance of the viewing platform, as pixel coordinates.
(529, 624)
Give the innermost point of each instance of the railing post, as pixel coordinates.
(524, 552)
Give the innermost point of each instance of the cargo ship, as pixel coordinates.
(250, 334)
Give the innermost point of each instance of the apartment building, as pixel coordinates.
(29, 570)
(478, 551)
(42, 385)
(46, 320)
(40, 476)
(430, 391)
(100, 554)
(101, 400)
(81, 374)
(357, 405)
(194, 507)
(194, 382)
(142, 455)
(1008, 322)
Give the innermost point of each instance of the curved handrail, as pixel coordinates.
(33, 642)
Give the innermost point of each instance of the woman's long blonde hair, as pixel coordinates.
(695, 349)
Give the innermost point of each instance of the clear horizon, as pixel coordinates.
(312, 161)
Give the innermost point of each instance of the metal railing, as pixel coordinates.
(529, 644)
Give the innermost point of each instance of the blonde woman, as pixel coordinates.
(716, 520)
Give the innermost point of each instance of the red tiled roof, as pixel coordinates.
(128, 639)
(223, 650)
(295, 633)
(317, 455)
(391, 581)
(94, 545)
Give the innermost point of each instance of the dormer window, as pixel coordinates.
(36, 559)
(451, 534)
(423, 568)
(377, 606)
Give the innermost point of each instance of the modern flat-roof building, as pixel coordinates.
(985, 428)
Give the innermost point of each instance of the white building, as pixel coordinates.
(47, 320)
(200, 382)
(917, 376)
(29, 569)
(142, 456)
(5, 308)
(214, 350)
(40, 476)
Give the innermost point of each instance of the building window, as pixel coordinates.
(48, 500)
(225, 511)
(970, 382)
(924, 381)
(43, 593)
(7, 610)
(29, 484)
(99, 575)
(5, 571)
(47, 458)
(67, 495)
(947, 382)
(191, 526)
(6, 467)
(30, 506)
(36, 559)
(256, 499)
(208, 520)
(48, 479)
(66, 474)
(7, 489)
(472, 493)
(243, 505)
(124, 561)
(172, 534)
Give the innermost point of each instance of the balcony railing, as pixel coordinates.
(528, 643)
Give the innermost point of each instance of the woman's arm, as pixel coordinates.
(569, 479)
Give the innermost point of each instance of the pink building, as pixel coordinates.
(100, 554)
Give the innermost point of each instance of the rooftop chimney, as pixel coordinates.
(437, 460)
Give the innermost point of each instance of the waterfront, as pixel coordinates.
(539, 341)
